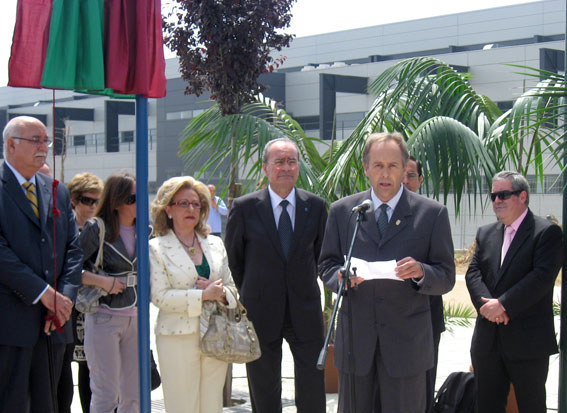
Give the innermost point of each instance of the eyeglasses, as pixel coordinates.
(186, 204)
(411, 175)
(36, 140)
(504, 195)
(131, 199)
(88, 201)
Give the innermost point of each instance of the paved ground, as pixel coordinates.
(453, 356)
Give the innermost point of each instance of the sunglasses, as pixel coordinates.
(131, 199)
(186, 204)
(504, 195)
(86, 200)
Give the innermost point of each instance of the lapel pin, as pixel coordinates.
(398, 222)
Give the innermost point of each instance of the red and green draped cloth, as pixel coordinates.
(112, 47)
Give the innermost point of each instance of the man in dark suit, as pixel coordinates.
(510, 280)
(413, 181)
(391, 321)
(273, 239)
(27, 269)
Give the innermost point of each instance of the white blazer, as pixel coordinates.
(172, 281)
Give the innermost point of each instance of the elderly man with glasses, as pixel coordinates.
(510, 280)
(36, 289)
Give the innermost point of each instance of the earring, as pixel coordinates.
(169, 216)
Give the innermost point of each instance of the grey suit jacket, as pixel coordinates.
(394, 315)
(26, 257)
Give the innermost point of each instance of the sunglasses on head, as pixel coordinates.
(504, 195)
(86, 200)
(131, 199)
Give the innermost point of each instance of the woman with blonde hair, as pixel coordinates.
(188, 274)
(85, 190)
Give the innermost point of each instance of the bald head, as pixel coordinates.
(26, 144)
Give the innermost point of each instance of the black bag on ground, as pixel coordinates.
(457, 394)
(155, 378)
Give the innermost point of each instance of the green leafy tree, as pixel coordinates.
(255, 125)
(462, 138)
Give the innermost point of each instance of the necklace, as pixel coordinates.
(191, 248)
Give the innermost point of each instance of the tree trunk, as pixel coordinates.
(232, 187)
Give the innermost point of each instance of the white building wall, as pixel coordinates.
(489, 76)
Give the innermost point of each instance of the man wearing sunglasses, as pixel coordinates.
(28, 272)
(510, 280)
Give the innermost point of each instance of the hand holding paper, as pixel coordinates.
(375, 270)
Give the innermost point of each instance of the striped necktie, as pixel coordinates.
(32, 197)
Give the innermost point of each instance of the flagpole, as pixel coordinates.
(142, 224)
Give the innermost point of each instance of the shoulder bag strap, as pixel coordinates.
(101, 234)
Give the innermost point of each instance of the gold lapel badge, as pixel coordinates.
(398, 222)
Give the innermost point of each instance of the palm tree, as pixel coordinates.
(461, 138)
(446, 123)
(207, 140)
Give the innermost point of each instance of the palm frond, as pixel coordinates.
(206, 141)
(457, 315)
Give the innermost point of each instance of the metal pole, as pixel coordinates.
(563, 330)
(142, 223)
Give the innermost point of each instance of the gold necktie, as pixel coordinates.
(30, 194)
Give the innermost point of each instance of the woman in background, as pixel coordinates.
(85, 189)
(188, 273)
(111, 334)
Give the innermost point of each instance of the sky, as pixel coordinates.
(311, 16)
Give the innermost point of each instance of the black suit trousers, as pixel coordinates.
(27, 368)
(493, 374)
(265, 381)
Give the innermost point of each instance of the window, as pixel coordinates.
(553, 184)
(79, 140)
(127, 136)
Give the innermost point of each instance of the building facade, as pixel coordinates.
(322, 75)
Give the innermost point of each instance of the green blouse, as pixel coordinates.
(204, 270)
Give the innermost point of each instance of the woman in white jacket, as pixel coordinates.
(188, 273)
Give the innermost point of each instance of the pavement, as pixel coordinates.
(453, 356)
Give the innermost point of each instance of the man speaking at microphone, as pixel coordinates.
(391, 322)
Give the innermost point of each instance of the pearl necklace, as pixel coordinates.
(191, 248)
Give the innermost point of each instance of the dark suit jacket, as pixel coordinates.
(437, 317)
(26, 256)
(524, 286)
(394, 314)
(261, 273)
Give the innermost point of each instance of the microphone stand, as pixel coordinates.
(340, 293)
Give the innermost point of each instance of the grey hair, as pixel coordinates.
(518, 181)
(270, 143)
(13, 129)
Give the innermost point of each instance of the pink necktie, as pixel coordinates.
(508, 235)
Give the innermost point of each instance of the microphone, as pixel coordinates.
(365, 206)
